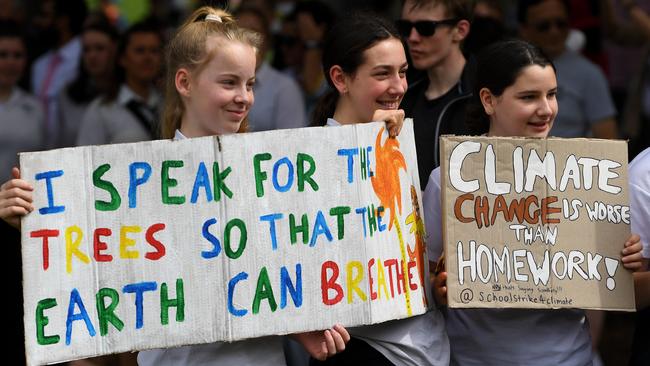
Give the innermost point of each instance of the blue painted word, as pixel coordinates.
(283, 175)
(363, 154)
(264, 291)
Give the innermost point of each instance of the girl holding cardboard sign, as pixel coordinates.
(365, 64)
(211, 72)
(210, 47)
(515, 95)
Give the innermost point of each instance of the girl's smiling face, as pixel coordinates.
(220, 93)
(527, 107)
(378, 83)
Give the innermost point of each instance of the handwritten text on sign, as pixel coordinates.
(167, 243)
(536, 223)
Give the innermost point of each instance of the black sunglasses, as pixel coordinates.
(425, 28)
(545, 26)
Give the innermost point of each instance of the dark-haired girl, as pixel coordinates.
(365, 64)
(515, 95)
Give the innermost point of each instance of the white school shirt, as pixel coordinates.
(264, 351)
(503, 337)
(417, 341)
(112, 122)
(21, 129)
(639, 180)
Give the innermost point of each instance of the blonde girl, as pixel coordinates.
(209, 91)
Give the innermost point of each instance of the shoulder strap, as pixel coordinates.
(134, 107)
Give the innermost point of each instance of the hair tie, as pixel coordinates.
(213, 18)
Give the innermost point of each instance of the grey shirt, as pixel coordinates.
(22, 127)
(278, 101)
(583, 96)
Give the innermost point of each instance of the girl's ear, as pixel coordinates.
(488, 100)
(339, 79)
(182, 81)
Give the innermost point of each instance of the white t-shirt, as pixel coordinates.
(249, 352)
(639, 180)
(506, 336)
(417, 341)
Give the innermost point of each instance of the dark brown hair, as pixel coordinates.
(344, 46)
(498, 67)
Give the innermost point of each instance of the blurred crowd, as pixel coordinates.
(88, 72)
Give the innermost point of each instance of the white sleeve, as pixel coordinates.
(640, 215)
(433, 216)
(92, 130)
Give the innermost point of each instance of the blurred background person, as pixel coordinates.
(21, 129)
(21, 114)
(95, 76)
(487, 26)
(633, 30)
(129, 111)
(52, 71)
(278, 100)
(313, 20)
(288, 50)
(434, 32)
(585, 102)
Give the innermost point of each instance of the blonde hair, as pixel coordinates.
(187, 49)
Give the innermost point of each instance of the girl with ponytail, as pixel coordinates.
(209, 91)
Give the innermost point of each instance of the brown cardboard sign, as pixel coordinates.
(535, 223)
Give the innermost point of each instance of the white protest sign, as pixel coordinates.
(168, 243)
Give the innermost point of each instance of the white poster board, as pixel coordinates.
(167, 243)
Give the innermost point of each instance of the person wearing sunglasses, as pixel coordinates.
(583, 92)
(434, 31)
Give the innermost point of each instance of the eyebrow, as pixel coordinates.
(236, 76)
(390, 66)
(534, 91)
(230, 74)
